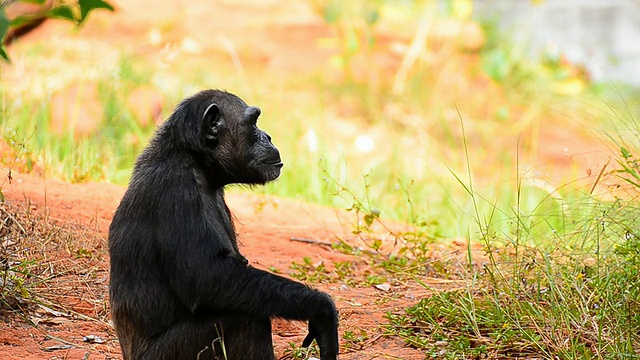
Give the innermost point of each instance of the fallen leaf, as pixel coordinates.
(58, 320)
(53, 312)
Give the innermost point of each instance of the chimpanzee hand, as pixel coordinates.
(324, 328)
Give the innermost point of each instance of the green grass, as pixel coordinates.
(568, 294)
(558, 277)
(559, 285)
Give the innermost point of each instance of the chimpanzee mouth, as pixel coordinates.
(277, 164)
(272, 170)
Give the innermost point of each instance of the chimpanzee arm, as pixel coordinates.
(201, 264)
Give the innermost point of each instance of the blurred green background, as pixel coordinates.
(393, 91)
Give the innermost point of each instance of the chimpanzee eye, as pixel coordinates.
(255, 134)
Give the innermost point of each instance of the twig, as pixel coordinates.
(599, 176)
(13, 219)
(73, 313)
(311, 241)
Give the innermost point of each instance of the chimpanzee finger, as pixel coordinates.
(328, 346)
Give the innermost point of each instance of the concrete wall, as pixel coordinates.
(604, 35)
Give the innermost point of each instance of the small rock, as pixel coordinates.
(383, 287)
(93, 339)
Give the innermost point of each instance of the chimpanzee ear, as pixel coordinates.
(211, 122)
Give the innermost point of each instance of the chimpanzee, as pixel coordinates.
(180, 288)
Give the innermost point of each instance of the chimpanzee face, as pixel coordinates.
(243, 151)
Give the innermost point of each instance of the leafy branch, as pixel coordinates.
(74, 11)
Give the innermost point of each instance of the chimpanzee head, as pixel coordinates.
(221, 129)
(244, 152)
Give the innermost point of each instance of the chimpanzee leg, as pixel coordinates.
(230, 338)
(246, 338)
(188, 339)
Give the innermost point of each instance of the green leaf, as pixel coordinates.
(86, 6)
(625, 153)
(368, 219)
(629, 170)
(62, 12)
(3, 54)
(4, 24)
(4, 28)
(635, 184)
(39, 2)
(21, 20)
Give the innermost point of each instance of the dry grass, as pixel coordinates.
(49, 271)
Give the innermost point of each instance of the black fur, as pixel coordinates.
(180, 288)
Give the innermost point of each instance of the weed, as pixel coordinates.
(411, 248)
(355, 340)
(309, 272)
(371, 280)
(296, 352)
(343, 269)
